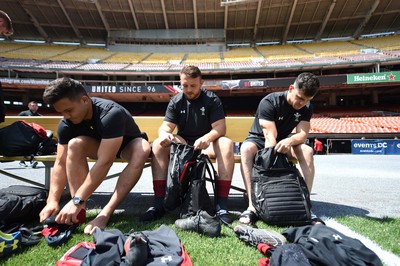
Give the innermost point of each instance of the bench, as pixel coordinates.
(237, 130)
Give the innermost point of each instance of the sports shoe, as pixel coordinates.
(152, 214)
(22, 164)
(9, 243)
(201, 223)
(34, 164)
(255, 236)
(136, 249)
(224, 216)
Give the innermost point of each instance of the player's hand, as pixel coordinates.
(51, 209)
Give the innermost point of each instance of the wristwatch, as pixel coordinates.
(77, 200)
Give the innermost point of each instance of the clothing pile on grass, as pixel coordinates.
(317, 245)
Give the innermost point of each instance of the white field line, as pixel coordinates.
(386, 257)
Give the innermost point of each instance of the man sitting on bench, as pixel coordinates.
(99, 129)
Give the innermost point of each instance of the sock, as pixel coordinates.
(159, 187)
(223, 187)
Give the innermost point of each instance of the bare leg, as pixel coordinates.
(304, 154)
(136, 153)
(248, 152)
(222, 150)
(159, 161)
(79, 149)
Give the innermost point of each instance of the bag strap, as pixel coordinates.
(212, 173)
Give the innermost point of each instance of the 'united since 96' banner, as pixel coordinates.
(137, 88)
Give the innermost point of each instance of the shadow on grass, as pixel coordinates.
(140, 202)
(336, 210)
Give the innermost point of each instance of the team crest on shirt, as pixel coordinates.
(203, 110)
(297, 116)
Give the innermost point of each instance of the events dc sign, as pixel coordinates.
(379, 146)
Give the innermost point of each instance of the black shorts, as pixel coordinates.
(129, 139)
(259, 141)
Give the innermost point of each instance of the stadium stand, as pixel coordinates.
(241, 54)
(368, 57)
(102, 66)
(59, 65)
(349, 125)
(126, 57)
(330, 48)
(283, 52)
(51, 56)
(196, 58)
(82, 54)
(163, 58)
(392, 123)
(385, 43)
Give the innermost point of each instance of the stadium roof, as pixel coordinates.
(243, 21)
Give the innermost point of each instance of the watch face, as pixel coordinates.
(77, 200)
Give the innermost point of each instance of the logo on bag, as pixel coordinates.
(297, 116)
(165, 259)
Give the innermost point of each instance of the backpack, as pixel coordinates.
(186, 181)
(21, 204)
(26, 139)
(196, 196)
(279, 193)
(182, 157)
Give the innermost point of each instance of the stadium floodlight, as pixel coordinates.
(235, 2)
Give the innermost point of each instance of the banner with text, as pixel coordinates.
(137, 88)
(379, 146)
(243, 84)
(373, 77)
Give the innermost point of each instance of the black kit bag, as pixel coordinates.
(21, 204)
(197, 197)
(279, 192)
(26, 139)
(182, 158)
(186, 181)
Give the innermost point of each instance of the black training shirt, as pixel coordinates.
(275, 107)
(110, 120)
(194, 118)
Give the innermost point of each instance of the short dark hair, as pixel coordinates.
(63, 88)
(308, 83)
(191, 71)
(8, 23)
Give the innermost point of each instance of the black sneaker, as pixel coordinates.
(152, 214)
(224, 216)
(201, 223)
(34, 164)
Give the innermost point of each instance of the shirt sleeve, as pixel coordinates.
(267, 111)
(171, 114)
(217, 110)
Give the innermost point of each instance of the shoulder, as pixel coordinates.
(209, 96)
(207, 93)
(176, 99)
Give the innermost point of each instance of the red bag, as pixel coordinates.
(75, 255)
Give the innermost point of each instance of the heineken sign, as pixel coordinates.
(373, 77)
